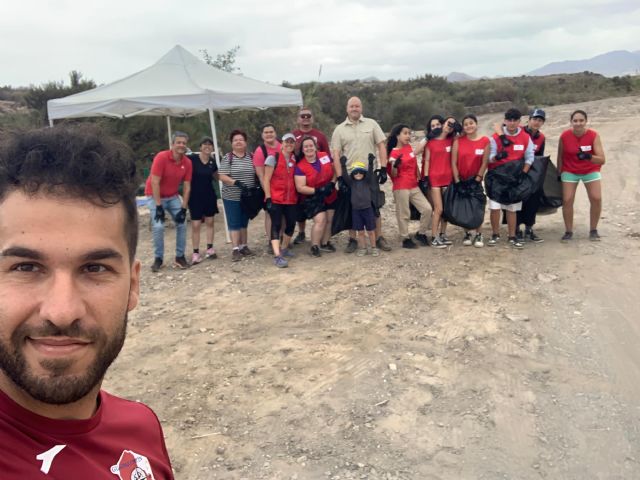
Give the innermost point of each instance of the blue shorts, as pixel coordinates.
(363, 218)
(236, 218)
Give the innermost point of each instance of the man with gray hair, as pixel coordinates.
(170, 168)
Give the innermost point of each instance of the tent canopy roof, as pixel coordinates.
(179, 84)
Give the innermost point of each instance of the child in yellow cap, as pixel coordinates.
(360, 180)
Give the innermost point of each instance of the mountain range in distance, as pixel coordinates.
(610, 64)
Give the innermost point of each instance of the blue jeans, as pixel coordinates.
(172, 206)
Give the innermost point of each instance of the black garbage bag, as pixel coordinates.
(464, 204)
(252, 201)
(507, 184)
(313, 205)
(551, 191)
(342, 215)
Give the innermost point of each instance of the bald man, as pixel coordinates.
(356, 138)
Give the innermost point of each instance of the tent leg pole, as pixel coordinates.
(212, 121)
(50, 123)
(169, 130)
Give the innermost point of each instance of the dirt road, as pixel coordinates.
(461, 363)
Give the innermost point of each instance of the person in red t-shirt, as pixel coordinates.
(170, 168)
(305, 128)
(68, 278)
(403, 170)
(436, 171)
(469, 159)
(580, 157)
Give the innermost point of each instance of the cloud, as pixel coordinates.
(282, 40)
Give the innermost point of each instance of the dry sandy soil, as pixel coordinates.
(460, 363)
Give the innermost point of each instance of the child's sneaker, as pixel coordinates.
(478, 241)
(375, 252)
(495, 238)
(466, 241)
(361, 252)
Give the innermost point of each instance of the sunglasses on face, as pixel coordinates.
(305, 115)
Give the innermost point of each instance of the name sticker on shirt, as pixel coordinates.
(412, 155)
(518, 147)
(448, 149)
(585, 148)
(325, 160)
(290, 164)
(479, 151)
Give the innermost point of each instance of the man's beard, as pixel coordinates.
(56, 388)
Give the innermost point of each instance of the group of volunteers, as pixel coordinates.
(304, 177)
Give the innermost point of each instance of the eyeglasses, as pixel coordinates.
(305, 115)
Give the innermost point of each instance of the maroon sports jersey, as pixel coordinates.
(123, 440)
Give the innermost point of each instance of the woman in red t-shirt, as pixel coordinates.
(403, 170)
(469, 159)
(436, 171)
(580, 157)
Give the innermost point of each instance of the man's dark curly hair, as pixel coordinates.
(72, 162)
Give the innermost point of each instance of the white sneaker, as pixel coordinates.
(466, 241)
(478, 241)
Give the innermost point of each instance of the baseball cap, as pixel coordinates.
(538, 112)
(358, 167)
(288, 136)
(206, 140)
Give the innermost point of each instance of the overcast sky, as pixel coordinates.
(289, 40)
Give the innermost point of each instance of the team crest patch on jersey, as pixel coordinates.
(132, 466)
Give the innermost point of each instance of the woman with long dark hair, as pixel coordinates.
(437, 173)
(469, 159)
(580, 158)
(403, 170)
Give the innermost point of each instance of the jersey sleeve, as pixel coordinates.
(157, 167)
(258, 158)
(188, 169)
(270, 161)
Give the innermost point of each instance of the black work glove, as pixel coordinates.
(504, 140)
(343, 161)
(326, 190)
(159, 214)
(382, 176)
(457, 127)
(501, 155)
(559, 178)
(397, 162)
(523, 174)
(181, 216)
(584, 156)
(268, 204)
(435, 133)
(372, 158)
(342, 186)
(423, 185)
(241, 185)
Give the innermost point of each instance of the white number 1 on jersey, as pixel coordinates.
(48, 456)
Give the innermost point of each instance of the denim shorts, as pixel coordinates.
(236, 218)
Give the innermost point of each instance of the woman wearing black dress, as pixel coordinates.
(203, 203)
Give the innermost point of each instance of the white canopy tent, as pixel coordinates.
(178, 85)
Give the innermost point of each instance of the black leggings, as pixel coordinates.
(290, 214)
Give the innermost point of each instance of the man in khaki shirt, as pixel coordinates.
(356, 138)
